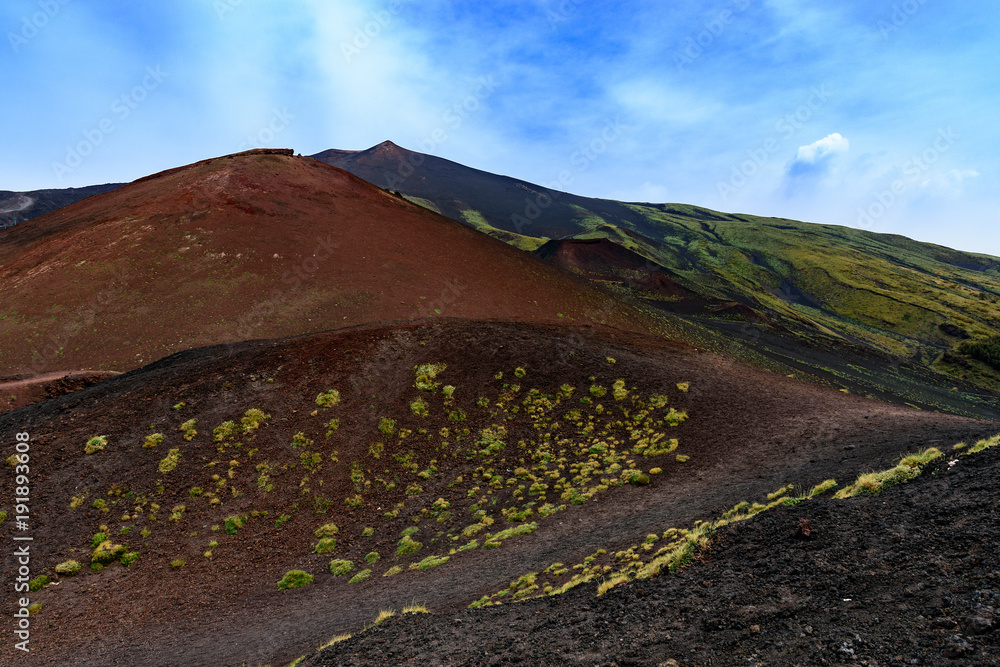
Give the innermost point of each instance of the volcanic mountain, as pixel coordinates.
(791, 296)
(255, 245)
(17, 207)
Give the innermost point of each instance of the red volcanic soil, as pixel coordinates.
(255, 245)
(602, 259)
(748, 433)
(16, 392)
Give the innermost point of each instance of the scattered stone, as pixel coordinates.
(956, 647)
(805, 529)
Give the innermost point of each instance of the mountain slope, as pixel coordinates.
(16, 207)
(452, 456)
(911, 301)
(255, 245)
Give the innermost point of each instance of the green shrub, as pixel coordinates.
(100, 504)
(188, 429)
(340, 567)
(326, 530)
(252, 419)
(372, 557)
(153, 440)
(106, 552)
(987, 351)
(38, 583)
(425, 375)
(368, 532)
(295, 579)
(234, 523)
(224, 430)
(598, 391)
(129, 558)
(419, 407)
(429, 562)
(360, 576)
(97, 539)
(177, 564)
(407, 546)
(326, 545)
(519, 372)
(387, 426)
(68, 568)
(395, 569)
(170, 462)
(96, 444)
(328, 399)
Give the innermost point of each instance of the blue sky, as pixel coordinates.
(879, 114)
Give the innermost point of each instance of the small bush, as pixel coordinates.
(368, 532)
(387, 426)
(340, 567)
(188, 429)
(360, 576)
(171, 461)
(987, 351)
(598, 391)
(106, 552)
(683, 386)
(372, 557)
(682, 458)
(425, 375)
(407, 546)
(395, 569)
(328, 399)
(234, 523)
(326, 545)
(429, 562)
(96, 444)
(252, 419)
(97, 539)
(38, 583)
(177, 564)
(326, 530)
(295, 579)
(154, 440)
(300, 440)
(68, 568)
(129, 558)
(519, 372)
(419, 407)
(224, 430)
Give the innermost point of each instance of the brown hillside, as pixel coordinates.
(391, 468)
(254, 245)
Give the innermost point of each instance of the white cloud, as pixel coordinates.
(817, 151)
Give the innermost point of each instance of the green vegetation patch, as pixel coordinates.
(340, 567)
(295, 579)
(328, 398)
(170, 462)
(426, 374)
(873, 482)
(96, 444)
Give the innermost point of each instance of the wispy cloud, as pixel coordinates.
(356, 72)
